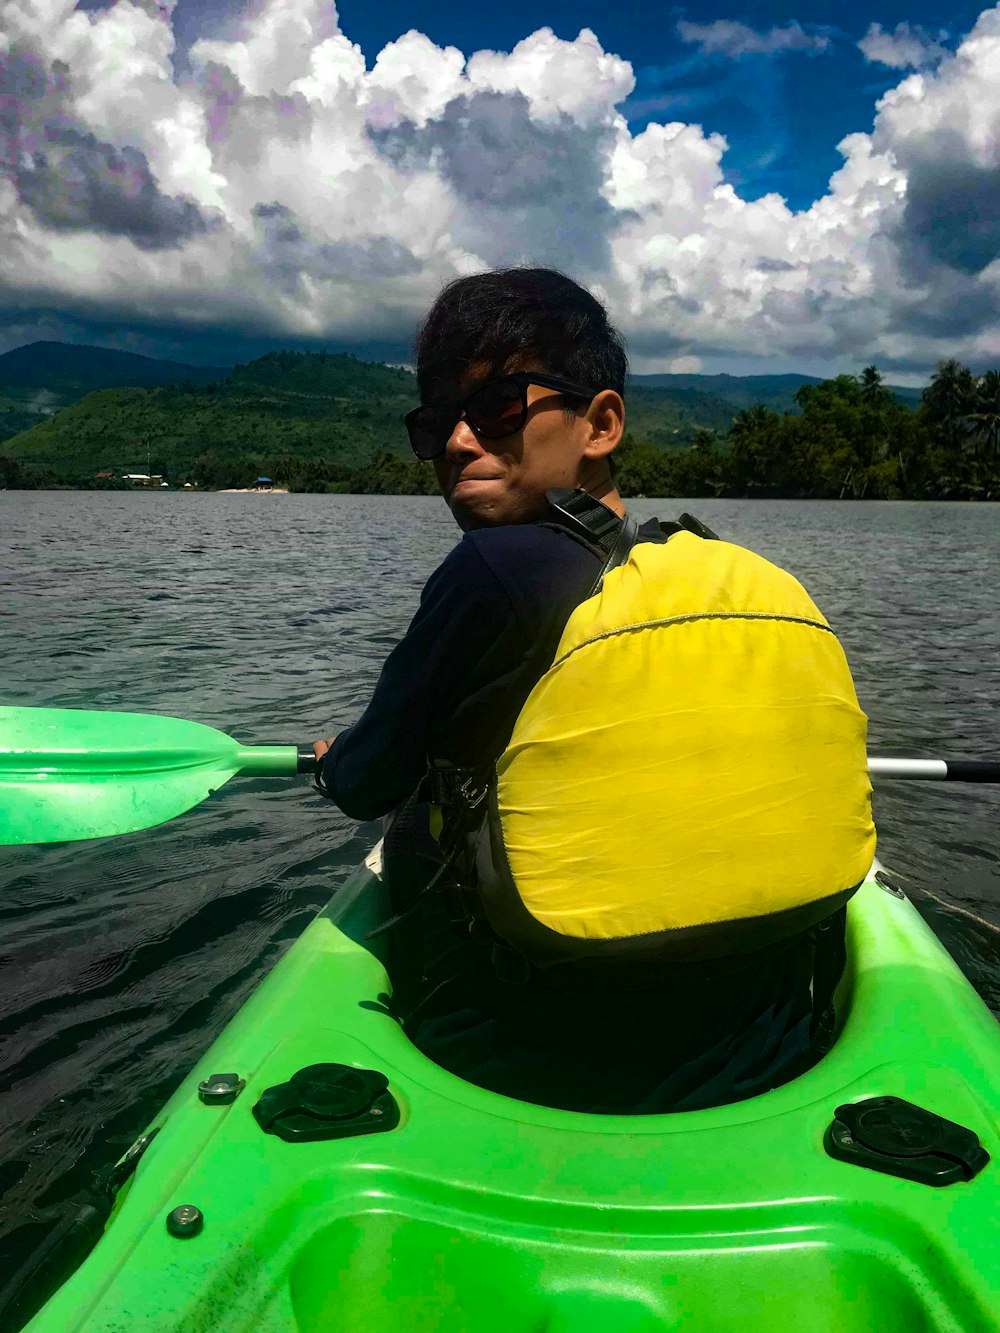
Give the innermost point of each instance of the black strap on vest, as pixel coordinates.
(688, 523)
(587, 516)
(599, 526)
(596, 524)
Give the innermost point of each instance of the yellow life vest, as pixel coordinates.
(688, 780)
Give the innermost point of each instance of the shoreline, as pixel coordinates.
(252, 490)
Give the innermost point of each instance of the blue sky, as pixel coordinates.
(207, 178)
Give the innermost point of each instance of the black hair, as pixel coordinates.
(509, 315)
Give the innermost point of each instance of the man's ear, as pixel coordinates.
(606, 417)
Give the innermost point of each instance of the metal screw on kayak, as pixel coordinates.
(185, 1220)
(375, 1111)
(221, 1089)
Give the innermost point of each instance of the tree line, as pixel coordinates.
(384, 474)
(852, 439)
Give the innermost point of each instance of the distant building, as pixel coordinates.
(107, 475)
(144, 478)
(263, 484)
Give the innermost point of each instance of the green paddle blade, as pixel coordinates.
(68, 773)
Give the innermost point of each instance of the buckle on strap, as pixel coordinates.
(450, 786)
(586, 516)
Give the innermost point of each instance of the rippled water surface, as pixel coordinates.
(268, 616)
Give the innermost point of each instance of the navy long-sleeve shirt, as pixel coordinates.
(488, 625)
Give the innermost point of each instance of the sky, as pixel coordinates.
(749, 189)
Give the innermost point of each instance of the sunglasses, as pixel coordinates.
(496, 409)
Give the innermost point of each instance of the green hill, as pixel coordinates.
(322, 422)
(774, 391)
(308, 405)
(77, 368)
(282, 408)
(312, 420)
(669, 417)
(40, 378)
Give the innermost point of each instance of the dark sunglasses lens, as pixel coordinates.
(429, 430)
(497, 409)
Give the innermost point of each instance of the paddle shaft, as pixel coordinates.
(250, 761)
(936, 770)
(276, 761)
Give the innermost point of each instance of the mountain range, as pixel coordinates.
(79, 410)
(774, 391)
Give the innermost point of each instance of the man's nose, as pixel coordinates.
(462, 441)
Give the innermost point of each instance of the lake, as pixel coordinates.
(268, 616)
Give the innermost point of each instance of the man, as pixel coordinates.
(522, 380)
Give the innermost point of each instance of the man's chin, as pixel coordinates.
(471, 516)
(484, 504)
(475, 507)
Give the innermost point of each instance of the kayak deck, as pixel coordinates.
(480, 1214)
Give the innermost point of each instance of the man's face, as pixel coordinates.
(491, 482)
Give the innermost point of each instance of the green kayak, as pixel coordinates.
(316, 1172)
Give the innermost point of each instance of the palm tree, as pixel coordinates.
(948, 401)
(875, 400)
(873, 391)
(751, 421)
(755, 450)
(986, 410)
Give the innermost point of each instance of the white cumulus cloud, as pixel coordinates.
(576, 79)
(906, 47)
(286, 187)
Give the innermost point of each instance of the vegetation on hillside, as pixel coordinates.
(323, 422)
(853, 439)
(774, 391)
(311, 406)
(39, 379)
(304, 418)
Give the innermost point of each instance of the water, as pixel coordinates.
(268, 616)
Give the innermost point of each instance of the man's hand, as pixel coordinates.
(319, 750)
